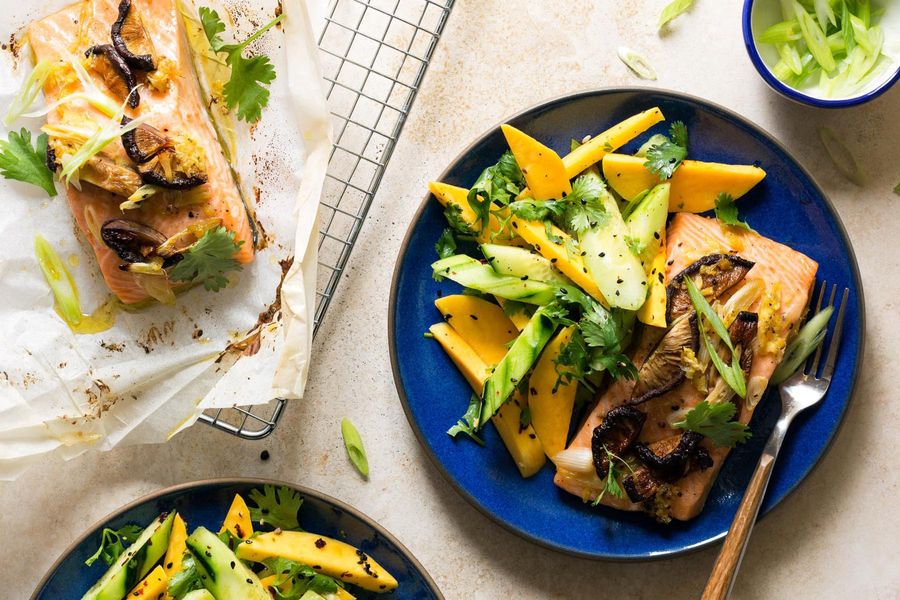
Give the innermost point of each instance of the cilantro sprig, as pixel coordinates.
(247, 89)
(113, 542)
(207, 260)
(727, 212)
(611, 482)
(583, 209)
(467, 425)
(665, 157)
(498, 184)
(303, 578)
(22, 162)
(186, 580)
(277, 507)
(715, 421)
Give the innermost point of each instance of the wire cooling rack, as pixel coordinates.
(374, 54)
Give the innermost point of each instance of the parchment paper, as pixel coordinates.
(157, 369)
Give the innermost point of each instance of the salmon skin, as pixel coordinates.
(785, 274)
(175, 107)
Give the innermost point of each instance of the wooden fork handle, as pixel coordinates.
(724, 571)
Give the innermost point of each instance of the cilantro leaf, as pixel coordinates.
(19, 161)
(583, 208)
(514, 307)
(727, 212)
(208, 259)
(277, 507)
(186, 580)
(446, 244)
(453, 214)
(497, 184)
(715, 422)
(466, 425)
(611, 482)
(113, 543)
(665, 157)
(247, 89)
(302, 578)
(537, 210)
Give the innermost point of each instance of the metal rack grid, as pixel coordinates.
(374, 54)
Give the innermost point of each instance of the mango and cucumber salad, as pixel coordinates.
(259, 553)
(558, 258)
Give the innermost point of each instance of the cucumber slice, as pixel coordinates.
(471, 273)
(311, 595)
(519, 359)
(226, 577)
(135, 562)
(199, 595)
(611, 263)
(647, 219)
(655, 140)
(519, 262)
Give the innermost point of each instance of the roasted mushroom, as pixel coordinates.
(743, 333)
(665, 461)
(662, 371)
(50, 160)
(110, 176)
(115, 72)
(144, 142)
(616, 433)
(130, 39)
(133, 242)
(641, 485)
(718, 273)
(179, 166)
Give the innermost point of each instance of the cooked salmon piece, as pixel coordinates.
(173, 105)
(788, 278)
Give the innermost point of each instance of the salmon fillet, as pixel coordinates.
(178, 108)
(689, 238)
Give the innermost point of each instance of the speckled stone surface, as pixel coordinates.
(836, 537)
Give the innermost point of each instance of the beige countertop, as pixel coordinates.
(836, 537)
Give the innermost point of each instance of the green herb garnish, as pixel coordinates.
(22, 162)
(715, 422)
(611, 482)
(355, 450)
(446, 244)
(498, 184)
(113, 543)
(466, 425)
(665, 157)
(727, 212)
(583, 209)
(247, 89)
(303, 578)
(208, 259)
(672, 10)
(276, 506)
(186, 580)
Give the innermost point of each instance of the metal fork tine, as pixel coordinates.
(813, 364)
(828, 369)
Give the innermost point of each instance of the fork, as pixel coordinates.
(800, 391)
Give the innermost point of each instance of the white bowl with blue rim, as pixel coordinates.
(758, 15)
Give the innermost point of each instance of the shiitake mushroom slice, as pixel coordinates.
(718, 272)
(665, 461)
(115, 72)
(618, 431)
(662, 371)
(144, 142)
(132, 241)
(167, 171)
(110, 176)
(130, 39)
(742, 332)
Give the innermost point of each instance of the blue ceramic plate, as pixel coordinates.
(206, 502)
(787, 206)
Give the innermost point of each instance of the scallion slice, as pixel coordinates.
(781, 33)
(672, 10)
(815, 38)
(807, 340)
(637, 63)
(355, 450)
(30, 89)
(60, 280)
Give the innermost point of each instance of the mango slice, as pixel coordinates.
(551, 405)
(695, 184)
(152, 586)
(543, 169)
(595, 149)
(237, 521)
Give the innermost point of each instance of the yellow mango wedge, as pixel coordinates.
(572, 265)
(653, 312)
(694, 185)
(544, 171)
(177, 546)
(152, 586)
(551, 405)
(328, 556)
(473, 351)
(269, 583)
(237, 521)
(451, 194)
(595, 149)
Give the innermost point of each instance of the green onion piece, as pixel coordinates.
(815, 38)
(780, 33)
(807, 340)
(841, 156)
(733, 374)
(30, 89)
(836, 43)
(782, 71)
(672, 10)
(861, 34)
(637, 63)
(141, 194)
(791, 58)
(98, 141)
(633, 204)
(864, 12)
(97, 98)
(847, 27)
(354, 445)
(60, 280)
(862, 63)
(824, 13)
